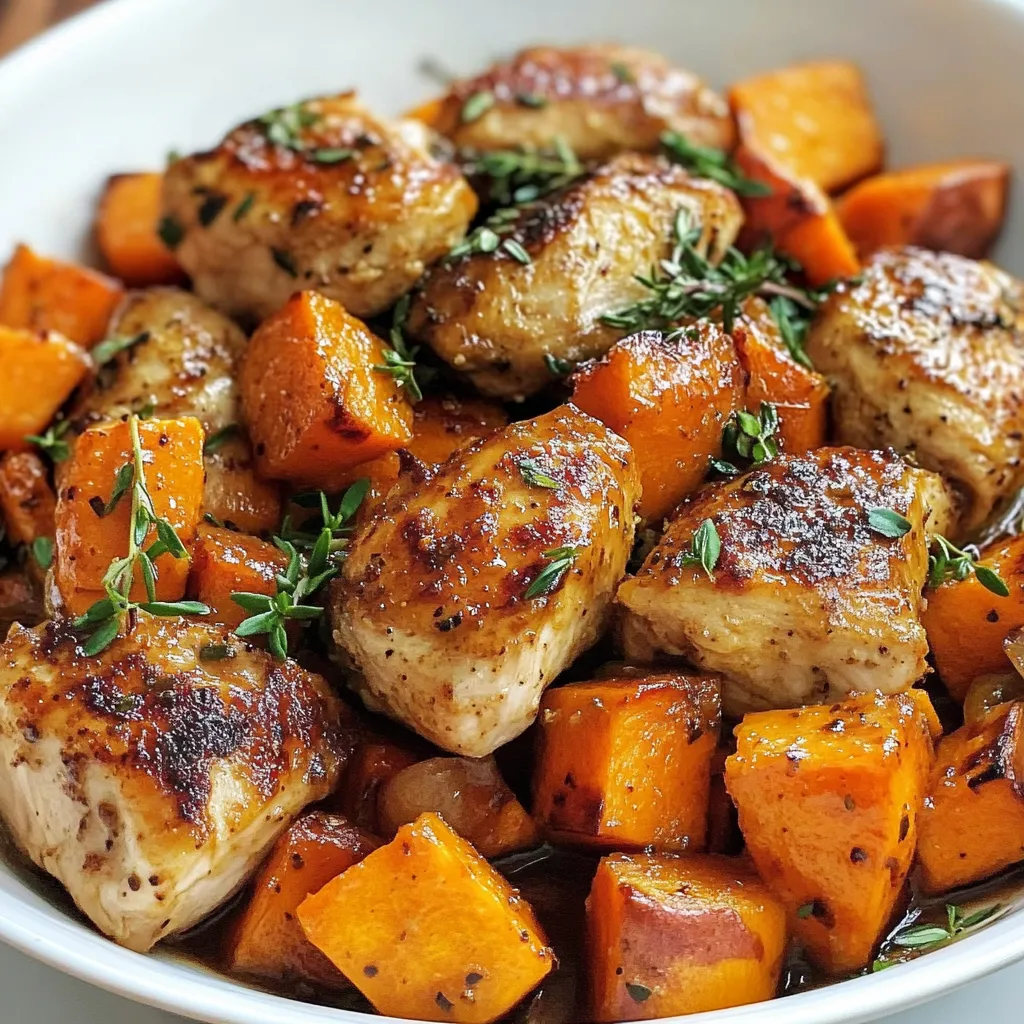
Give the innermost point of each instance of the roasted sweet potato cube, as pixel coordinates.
(829, 798)
(950, 207)
(967, 624)
(375, 760)
(799, 395)
(27, 507)
(127, 231)
(814, 119)
(41, 369)
(267, 940)
(41, 294)
(224, 563)
(671, 935)
(626, 763)
(234, 493)
(314, 403)
(87, 542)
(670, 399)
(425, 928)
(972, 824)
(468, 793)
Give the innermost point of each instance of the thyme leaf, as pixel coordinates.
(715, 164)
(748, 440)
(400, 358)
(888, 522)
(549, 579)
(51, 443)
(705, 549)
(948, 562)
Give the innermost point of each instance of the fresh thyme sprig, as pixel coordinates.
(687, 286)
(705, 549)
(315, 553)
(104, 619)
(748, 440)
(105, 351)
(549, 579)
(400, 358)
(51, 442)
(922, 938)
(284, 126)
(945, 560)
(492, 236)
(523, 175)
(715, 164)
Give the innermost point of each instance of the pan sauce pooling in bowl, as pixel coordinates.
(773, 395)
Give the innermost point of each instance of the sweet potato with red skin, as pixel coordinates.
(671, 935)
(87, 543)
(267, 940)
(800, 395)
(469, 794)
(41, 294)
(814, 119)
(374, 761)
(967, 624)
(127, 234)
(670, 399)
(314, 404)
(426, 929)
(972, 824)
(224, 563)
(829, 797)
(626, 763)
(40, 370)
(950, 207)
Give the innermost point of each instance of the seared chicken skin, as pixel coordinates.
(151, 779)
(806, 602)
(600, 99)
(323, 195)
(184, 362)
(434, 608)
(927, 354)
(496, 318)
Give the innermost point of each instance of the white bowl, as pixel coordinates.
(116, 88)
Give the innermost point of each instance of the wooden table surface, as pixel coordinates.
(22, 19)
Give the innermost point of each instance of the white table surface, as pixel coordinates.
(33, 994)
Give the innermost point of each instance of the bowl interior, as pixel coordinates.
(97, 97)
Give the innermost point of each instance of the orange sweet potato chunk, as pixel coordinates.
(426, 929)
(375, 760)
(829, 798)
(670, 399)
(950, 207)
(814, 119)
(468, 793)
(126, 231)
(314, 404)
(799, 395)
(42, 294)
(235, 494)
(973, 824)
(671, 935)
(87, 543)
(224, 563)
(40, 370)
(267, 940)
(967, 624)
(626, 763)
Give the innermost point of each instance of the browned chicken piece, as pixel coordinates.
(476, 586)
(926, 354)
(497, 318)
(183, 361)
(807, 601)
(600, 99)
(321, 195)
(150, 780)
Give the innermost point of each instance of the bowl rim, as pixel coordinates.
(74, 948)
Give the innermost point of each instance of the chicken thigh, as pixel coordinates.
(152, 778)
(475, 587)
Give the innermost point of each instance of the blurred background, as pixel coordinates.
(22, 19)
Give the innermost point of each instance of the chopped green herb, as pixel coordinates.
(335, 155)
(400, 358)
(105, 351)
(531, 100)
(524, 174)
(171, 232)
(283, 127)
(622, 72)
(805, 911)
(749, 440)
(715, 164)
(948, 562)
(42, 552)
(560, 560)
(922, 938)
(476, 106)
(705, 549)
(637, 992)
(51, 442)
(888, 522)
(534, 476)
(122, 481)
(558, 367)
(285, 260)
(515, 250)
(793, 322)
(244, 206)
(220, 437)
